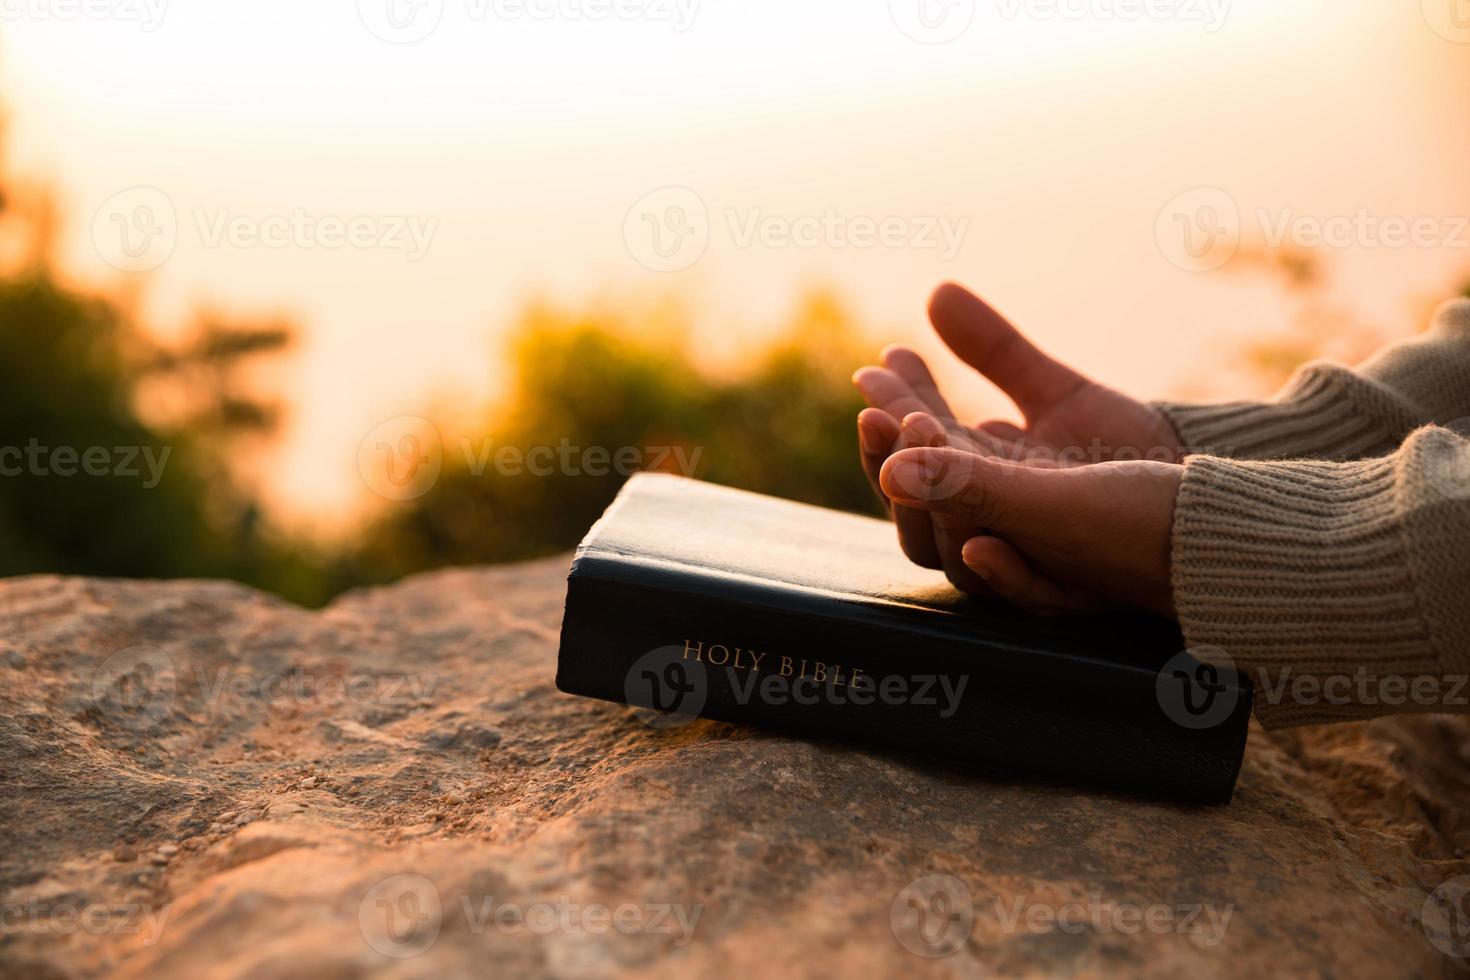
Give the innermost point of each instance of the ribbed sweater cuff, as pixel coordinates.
(1299, 569)
(1316, 416)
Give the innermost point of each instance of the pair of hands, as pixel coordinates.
(1072, 511)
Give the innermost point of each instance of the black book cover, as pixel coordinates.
(689, 599)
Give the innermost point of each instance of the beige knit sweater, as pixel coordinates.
(1322, 539)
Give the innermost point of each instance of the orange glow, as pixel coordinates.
(403, 201)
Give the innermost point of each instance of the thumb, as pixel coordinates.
(987, 341)
(979, 491)
(1106, 527)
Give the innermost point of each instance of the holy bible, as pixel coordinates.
(691, 600)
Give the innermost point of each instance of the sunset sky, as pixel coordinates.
(1051, 155)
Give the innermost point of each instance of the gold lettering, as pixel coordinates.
(757, 658)
(785, 666)
(737, 663)
(819, 673)
(722, 660)
(697, 650)
(837, 675)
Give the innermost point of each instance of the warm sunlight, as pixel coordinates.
(498, 156)
(734, 489)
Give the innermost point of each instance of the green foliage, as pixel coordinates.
(783, 425)
(159, 501)
(587, 387)
(77, 375)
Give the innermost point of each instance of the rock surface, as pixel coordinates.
(197, 779)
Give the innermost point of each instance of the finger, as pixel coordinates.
(960, 575)
(1007, 573)
(986, 341)
(950, 533)
(1106, 527)
(1008, 431)
(1004, 440)
(886, 390)
(937, 432)
(915, 527)
(925, 430)
(880, 436)
(982, 491)
(877, 438)
(1009, 443)
(911, 367)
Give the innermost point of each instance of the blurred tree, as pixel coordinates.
(165, 427)
(1315, 324)
(605, 390)
(90, 483)
(784, 425)
(87, 486)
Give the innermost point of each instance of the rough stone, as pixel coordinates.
(478, 822)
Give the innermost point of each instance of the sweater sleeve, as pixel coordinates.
(1342, 589)
(1330, 412)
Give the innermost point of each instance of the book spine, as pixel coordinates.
(677, 654)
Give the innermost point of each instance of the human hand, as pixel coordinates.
(1061, 539)
(1070, 420)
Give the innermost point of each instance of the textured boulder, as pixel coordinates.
(197, 777)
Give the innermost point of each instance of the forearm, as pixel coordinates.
(1332, 413)
(1341, 589)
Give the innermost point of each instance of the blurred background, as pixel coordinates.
(319, 295)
